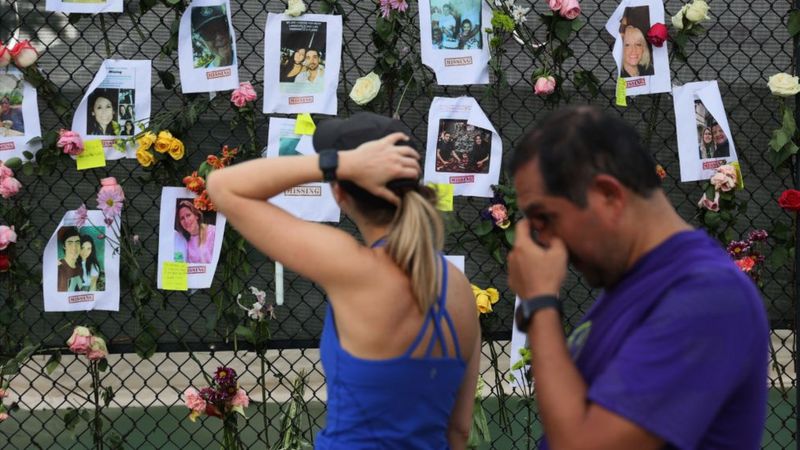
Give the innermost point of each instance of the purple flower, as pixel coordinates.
(110, 202)
(387, 6)
(737, 249)
(81, 216)
(758, 235)
(225, 376)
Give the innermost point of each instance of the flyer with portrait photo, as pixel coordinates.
(705, 141)
(454, 43)
(302, 57)
(188, 234)
(207, 48)
(313, 201)
(80, 269)
(643, 66)
(84, 6)
(19, 115)
(116, 105)
(463, 147)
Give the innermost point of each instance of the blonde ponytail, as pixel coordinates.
(415, 239)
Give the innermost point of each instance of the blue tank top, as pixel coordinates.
(397, 403)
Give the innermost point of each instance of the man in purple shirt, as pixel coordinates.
(673, 354)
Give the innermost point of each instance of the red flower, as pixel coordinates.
(214, 162)
(658, 34)
(661, 172)
(5, 262)
(213, 411)
(746, 264)
(203, 203)
(790, 200)
(194, 183)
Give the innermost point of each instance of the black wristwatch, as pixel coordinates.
(328, 163)
(527, 308)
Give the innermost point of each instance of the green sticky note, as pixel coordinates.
(739, 177)
(444, 196)
(175, 276)
(621, 100)
(304, 124)
(93, 155)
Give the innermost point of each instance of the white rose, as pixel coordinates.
(296, 7)
(366, 88)
(783, 85)
(697, 11)
(677, 19)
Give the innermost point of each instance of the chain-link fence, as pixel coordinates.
(745, 43)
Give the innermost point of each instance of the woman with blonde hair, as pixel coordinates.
(401, 343)
(636, 60)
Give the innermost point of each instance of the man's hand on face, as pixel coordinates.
(534, 269)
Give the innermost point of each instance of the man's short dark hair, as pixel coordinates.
(65, 233)
(577, 143)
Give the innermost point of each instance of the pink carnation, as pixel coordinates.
(240, 399)
(70, 142)
(243, 95)
(387, 6)
(570, 9)
(9, 187)
(5, 171)
(193, 400)
(544, 86)
(7, 236)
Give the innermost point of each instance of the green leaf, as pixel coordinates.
(779, 139)
(28, 169)
(53, 362)
(246, 333)
(794, 23)
(71, 419)
(712, 220)
(102, 365)
(577, 24)
(777, 258)
(145, 344)
(484, 227)
(509, 234)
(107, 394)
(562, 29)
(167, 78)
(11, 367)
(789, 125)
(13, 163)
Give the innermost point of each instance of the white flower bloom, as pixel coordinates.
(295, 8)
(519, 14)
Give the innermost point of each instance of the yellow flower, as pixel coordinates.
(144, 157)
(146, 140)
(485, 298)
(163, 142)
(176, 149)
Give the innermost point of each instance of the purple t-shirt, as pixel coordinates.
(680, 347)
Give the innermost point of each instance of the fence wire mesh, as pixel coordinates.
(746, 43)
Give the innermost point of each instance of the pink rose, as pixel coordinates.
(80, 341)
(498, 212)
(7, 237)
(544, 86)
(243, 95)
(70, 142)
(97, 349)
(722, 182)
(5, 171)
(240, 399)
(24, 54)
(728, 170)
(3, 416)
(110, 186)
(555, 5)
(708, 204)
(9, 187)
(194, 401)
(570, 9)
(5, 55)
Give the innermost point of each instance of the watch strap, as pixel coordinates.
(328, 163)
(531, 306)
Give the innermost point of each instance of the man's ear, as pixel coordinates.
(609, 193)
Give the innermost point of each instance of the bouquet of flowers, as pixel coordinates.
(223, 399)
(747, 254)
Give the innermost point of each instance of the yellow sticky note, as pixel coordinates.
(175, 276)
(444, 196)
(93, 155)
(621, 100)
(304, 124)
(739, 177)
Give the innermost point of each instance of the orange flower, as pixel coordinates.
(661, 172)
(214, 162)
(203, 203)
(194, 183)
(746, 264)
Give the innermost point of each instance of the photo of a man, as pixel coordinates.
(11, 119)
(303, 49)
(212, 43)
(456, 24)
(462, 148)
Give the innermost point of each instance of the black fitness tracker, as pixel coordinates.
(328, 163)
(527, 308)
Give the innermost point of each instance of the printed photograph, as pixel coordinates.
(81, 259)
(288, 146)
(456, 24)
(637, 53)
(712, 140)
(85, 1)
(194, 233)
(462, 148)
(302, 57)
(212, 43)
(101, 112)
(11, 96)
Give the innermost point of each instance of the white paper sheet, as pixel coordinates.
(470, 166)
(20, 122)
(207, 56)
(119, 98)
(637, 16)
(177, 244)
(302, 57)
(313, 201)
(457, 50)
(519, 340)
(457, 260)
(84, 6)
(74, 278)
(698, 106)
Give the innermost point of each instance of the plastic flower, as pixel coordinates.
(243, 95)
(110, 202)
(194, 183)
(7, 236)
(80, 341)
(485, 298)
(163, 141)
(70, 142)
(176, 149)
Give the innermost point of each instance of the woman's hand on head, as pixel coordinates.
(375, 163)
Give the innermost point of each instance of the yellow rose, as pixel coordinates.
(163, 142)
(485, 298)
(366, 88)
(783, 85)
(176, 149)
(295, 8)
(697, 11)
(144, 157)
(146, 140)
(677, 19)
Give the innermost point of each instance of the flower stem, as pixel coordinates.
(263, 382)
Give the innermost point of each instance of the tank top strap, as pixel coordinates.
(441, 313)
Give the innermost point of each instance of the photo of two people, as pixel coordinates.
(303, 50)
(11, 118)
(712, 140)
(462, 148)
(456, 24)
(81, 259)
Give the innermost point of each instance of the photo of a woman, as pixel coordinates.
(707, 146)
(101, 112)
(636, 60)
(129, 129)
(198, 235)
(90, 267)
